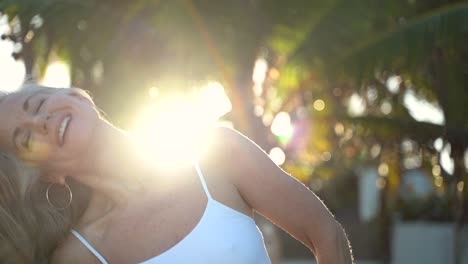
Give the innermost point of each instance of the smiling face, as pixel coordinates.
(47, 127)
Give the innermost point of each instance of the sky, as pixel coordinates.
(11, 71)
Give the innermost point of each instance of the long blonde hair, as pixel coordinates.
(30, 228)
(17, 224)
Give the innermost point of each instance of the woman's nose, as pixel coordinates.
(39, 123)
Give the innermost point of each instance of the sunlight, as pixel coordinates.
(259, 75)
(57, 75)
(174, 129)
(277, 156)
(12, 72)
(393, 84)
(282, 127)
(386, 107)
(339, 129)
(319, 105)
(438, 144)
(153, 92)
(383, 169)
(260, 71)
(213, 101)
(356, 105)
(446, 161)
(422, 110)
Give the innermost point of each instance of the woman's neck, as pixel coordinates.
(113, 166)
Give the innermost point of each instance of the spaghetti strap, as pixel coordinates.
(89, 247)
(202, 179)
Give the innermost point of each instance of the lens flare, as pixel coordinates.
(174, 130)
(277, 155)
(282, 127)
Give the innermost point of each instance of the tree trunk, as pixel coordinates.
(439, 67)
(28, 59)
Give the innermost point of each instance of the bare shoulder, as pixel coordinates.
(72, 251)
(224, 144)
(227, 135)
(232, 147)
(225, 140)
(241, 161)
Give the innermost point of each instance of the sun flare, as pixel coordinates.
(174, 129)
(57, 74)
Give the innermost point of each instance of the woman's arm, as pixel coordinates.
(282, 199)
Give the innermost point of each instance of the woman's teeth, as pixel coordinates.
(63, 127)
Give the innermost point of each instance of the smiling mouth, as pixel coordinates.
(63, 129)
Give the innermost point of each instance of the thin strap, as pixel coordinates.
(202, 179)
(89, 247)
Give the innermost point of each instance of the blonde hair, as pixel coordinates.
(30, 229)
(15, 221)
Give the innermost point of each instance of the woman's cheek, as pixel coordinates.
(39, 151)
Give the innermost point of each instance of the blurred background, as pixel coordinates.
(363, 101)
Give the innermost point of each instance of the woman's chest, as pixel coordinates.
(151, 228)
(217, 234)
(173, 215)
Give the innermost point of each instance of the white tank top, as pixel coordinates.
(223, 235)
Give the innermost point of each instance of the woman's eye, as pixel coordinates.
(27, 141)
(41, 102)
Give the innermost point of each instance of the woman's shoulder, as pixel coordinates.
(218, 146)
(222, 139)
(227, 152)
(226, 134)
(227, 144)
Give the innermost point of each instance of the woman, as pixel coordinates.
(137, 212)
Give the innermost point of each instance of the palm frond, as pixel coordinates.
(410, 45)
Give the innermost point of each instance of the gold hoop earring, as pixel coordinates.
(69, 201)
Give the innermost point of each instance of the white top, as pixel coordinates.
(223, 235)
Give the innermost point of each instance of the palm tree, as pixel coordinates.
(358, 46)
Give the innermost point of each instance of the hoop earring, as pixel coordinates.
(70, 199)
